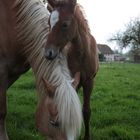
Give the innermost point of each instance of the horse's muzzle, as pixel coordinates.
(51, 53)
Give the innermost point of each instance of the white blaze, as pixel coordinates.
(54, 18)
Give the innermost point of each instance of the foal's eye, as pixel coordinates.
(64, 26)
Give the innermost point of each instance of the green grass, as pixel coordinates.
(115, 105)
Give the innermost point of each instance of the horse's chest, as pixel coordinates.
(73, 62)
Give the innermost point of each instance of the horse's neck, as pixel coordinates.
(31, 25)
(82, 44)
(8, 2)
(31, 19)
(82, 40)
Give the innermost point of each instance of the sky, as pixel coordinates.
(106, 17)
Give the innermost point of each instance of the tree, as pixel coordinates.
(101, 57)
(130, 37)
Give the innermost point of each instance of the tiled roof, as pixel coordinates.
(105, 49)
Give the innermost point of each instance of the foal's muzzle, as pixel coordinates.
(51, 53)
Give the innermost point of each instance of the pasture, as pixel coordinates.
(115, 105)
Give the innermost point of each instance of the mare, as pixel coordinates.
(69, 31)
(23, 35)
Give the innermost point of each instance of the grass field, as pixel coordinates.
(115, 105)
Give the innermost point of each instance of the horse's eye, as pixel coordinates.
(53, 123)
(64, 26)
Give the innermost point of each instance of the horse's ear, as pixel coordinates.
(49, 87)
(73, 4)
(76, 80)
(50, 8)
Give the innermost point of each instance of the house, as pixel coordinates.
(119, 57)
(105, 53)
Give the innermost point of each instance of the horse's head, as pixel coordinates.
(62, 26)
(47, 113)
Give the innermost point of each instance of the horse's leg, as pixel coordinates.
(87, 89)
(3, 109)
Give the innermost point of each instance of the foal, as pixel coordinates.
(69, 31)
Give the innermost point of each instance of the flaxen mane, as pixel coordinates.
(81, 19)
(83, 28)
(32, 30)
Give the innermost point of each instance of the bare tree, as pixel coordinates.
(130, 37)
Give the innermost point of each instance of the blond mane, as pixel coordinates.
(81, 19)
(83, 29)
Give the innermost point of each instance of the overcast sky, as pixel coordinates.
(108, 16)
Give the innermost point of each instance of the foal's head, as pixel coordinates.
(62, 26)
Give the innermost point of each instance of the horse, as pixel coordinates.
(61, 101)
(23, 35)
(69, 31)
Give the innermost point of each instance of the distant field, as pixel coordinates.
(115, 105)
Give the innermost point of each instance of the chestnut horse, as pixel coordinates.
(59, 113)
(69, 31)
(23, 34)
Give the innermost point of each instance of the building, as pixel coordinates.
(106, 53)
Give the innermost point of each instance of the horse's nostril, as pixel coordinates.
(50, 54)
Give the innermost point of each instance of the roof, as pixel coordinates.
(104, 49)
